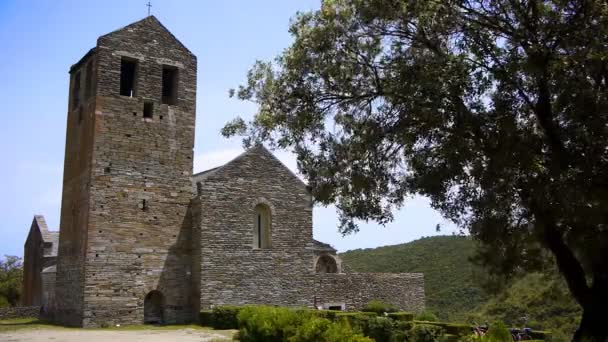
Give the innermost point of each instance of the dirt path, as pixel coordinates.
(46, 335)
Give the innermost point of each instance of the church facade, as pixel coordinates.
(144, 240)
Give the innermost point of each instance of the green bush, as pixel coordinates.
(341, 332)
(329, 314)
(269, 323)
(379, 307)
(458, 329)
(274, 324)
(380, 329)
(426, 333)
(205, 318)
(312, 330)
(426, 315)
(402, 316)
(498, 332)
(357, 320)
(224, 317)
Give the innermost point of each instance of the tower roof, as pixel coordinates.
(149, 20)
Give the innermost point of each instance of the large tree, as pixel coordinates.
(495, 110)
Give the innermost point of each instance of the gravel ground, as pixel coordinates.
(83, 335)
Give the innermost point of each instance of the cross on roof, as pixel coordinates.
(149, 6)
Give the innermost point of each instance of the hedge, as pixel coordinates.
(402, 316)
(205, 318)
(225, 317)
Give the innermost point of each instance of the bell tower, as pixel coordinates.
(124, 230)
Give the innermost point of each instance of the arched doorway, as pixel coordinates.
(153, 307)
(326, 264)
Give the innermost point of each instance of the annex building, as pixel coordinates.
(142, 239)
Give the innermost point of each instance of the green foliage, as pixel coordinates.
(11, 275)
(379, 307)
(439, 258)
(401, 316)
(225, 317)
(268, 324)
(426, 333)
(381, 329)
(205, 318)
(494, 110)
(498, 332)
(534, 300)
(426, 315)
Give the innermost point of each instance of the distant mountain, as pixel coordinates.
(448, 275)
(453, 293)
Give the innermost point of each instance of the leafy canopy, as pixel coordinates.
(495, 110)
(11, 274)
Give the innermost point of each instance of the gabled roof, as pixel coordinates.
(48, 237)
(153, 20)
(201, 176)
(322, 246)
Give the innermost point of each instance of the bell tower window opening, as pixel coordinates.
(88, 83)
(148, 109)
(76, 90)
(128, 71)
(169, 85)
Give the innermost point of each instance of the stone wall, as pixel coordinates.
(19, 312)
(355, 290)
(232, 270)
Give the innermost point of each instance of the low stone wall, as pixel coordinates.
(19, 312)
(353, 291)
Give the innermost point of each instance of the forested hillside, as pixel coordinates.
(454, 293)
(448, 274)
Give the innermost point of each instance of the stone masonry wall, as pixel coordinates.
(355, 290)
(231, 270)
(75, 199)
(19, 312)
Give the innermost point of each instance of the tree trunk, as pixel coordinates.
(594, 321)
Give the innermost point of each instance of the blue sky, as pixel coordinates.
(39, 40)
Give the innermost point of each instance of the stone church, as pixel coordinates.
(144, 240)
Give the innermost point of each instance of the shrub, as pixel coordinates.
(224, 317)
(426, 316)
(268, 323)
(357, 320)
(498, 332)
(312, 330)
(329, 314)
(341, 332)
(380, 329)
(379, 307)
(402, 316)
(426, 333)
(458, 329)
(205, 318)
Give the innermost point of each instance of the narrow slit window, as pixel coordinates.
(76, 90)
(88, 88)
(148, 109)
(128, 70)
(169, 86)
(261, 227)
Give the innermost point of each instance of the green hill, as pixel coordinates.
(448, 275)
(453, 293)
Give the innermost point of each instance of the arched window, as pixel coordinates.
(326, 264)
(154, 307)
(261, 226)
